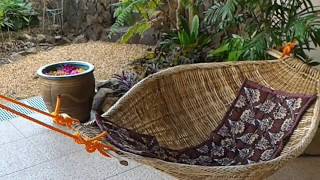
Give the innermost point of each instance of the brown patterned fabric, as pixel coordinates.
(257, 126)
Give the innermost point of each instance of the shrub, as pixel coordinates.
(250, 27)
(230, 30)
(16, 14)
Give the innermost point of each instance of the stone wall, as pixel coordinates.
(90, 18)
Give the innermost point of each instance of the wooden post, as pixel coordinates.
(62, 13)
(44, 14)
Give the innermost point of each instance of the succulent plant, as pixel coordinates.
(126, 80)
(151, 69)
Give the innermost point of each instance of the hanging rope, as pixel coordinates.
(91, 145)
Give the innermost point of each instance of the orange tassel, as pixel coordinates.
(288, 49)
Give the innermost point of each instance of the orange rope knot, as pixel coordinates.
(94, 144)
(91, 144)
(65, 120)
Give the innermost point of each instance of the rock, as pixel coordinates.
(108, 103)
(111, 83)
(88, 17)
(94, 32)
(92, 19)
(66, 40)
(148, 38)
(117, 35)
(59, 40)
(100, 96)
(4, 61)
(35, 76)
(25, 37)
(70, 36)
(15, 56)
(29, 44)
(80, 39)
(31, 50)
(51, 39)
(40, 38)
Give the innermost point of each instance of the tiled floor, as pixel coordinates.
(30, 152)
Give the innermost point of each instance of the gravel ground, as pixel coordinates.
(18, 80)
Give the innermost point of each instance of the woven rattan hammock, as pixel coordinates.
(180, 106)
(177, 104)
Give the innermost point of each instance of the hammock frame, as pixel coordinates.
(285, 74)
(180, 124)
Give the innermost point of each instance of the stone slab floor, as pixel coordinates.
(30, 152)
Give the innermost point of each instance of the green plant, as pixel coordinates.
(148, 14)
(165, 16)
(15, 14)
(185, 37)
(126, 81)
(250, 27)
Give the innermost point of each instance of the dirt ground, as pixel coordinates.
(18, 80)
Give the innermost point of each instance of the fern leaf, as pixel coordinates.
(138, 28)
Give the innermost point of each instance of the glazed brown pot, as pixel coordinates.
(76, 91)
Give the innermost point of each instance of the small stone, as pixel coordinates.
(4, 61)
(70, 36)
(80, 39)
(35, 76)
(50, 39)
(31, 50)
(15, 56)
(66, 40)
(59, 40)
(40, 38)
(25, 37)
(124, 163)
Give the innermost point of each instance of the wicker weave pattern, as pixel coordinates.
(182, 105)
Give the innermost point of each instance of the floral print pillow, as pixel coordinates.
(257, 126)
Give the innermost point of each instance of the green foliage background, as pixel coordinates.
(16, 14)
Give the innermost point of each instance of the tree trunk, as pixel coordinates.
(178, 14)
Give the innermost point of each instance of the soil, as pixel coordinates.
(19, 80)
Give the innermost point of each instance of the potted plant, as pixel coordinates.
(74, 82)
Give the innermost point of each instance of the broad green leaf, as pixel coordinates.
(195, 27)
(219, 51)
(235, 55)
(184, 38)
